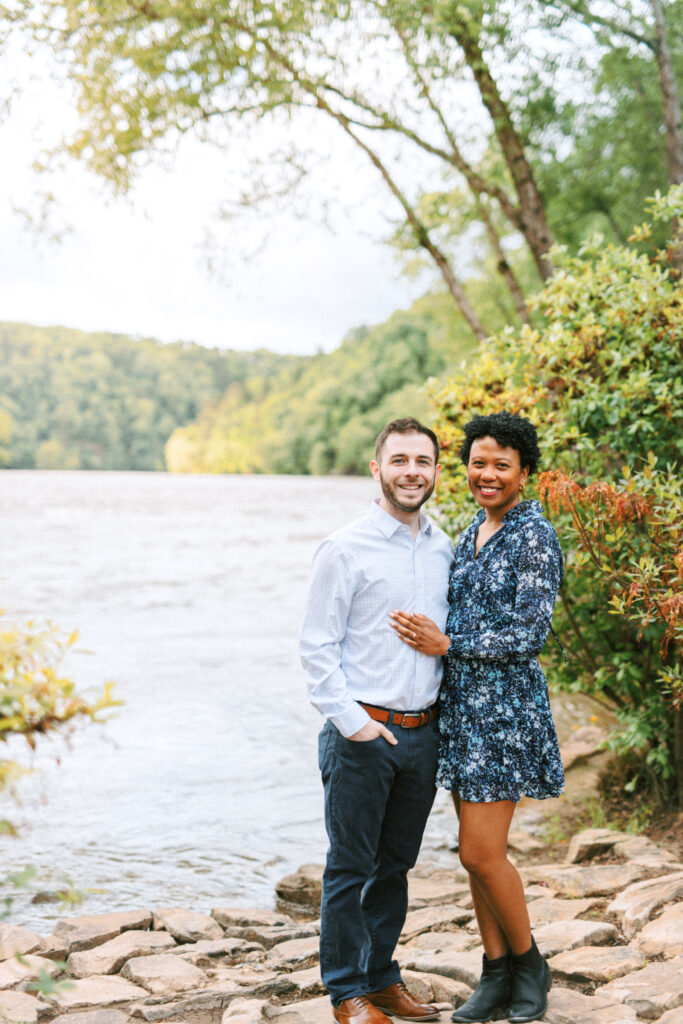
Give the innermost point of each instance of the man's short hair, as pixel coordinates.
(407, 425)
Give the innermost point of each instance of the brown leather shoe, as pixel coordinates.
(358, 1010)
(397, 1001)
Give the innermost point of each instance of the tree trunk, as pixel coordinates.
(534, 223)
(670, 97)
(678, 753)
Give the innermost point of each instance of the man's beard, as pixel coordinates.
(393, 499)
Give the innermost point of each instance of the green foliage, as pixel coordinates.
(70, 400)
(323, 415)
(603, 381)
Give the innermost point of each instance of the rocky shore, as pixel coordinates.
(609, 919)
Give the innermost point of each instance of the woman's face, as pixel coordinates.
(495, 475)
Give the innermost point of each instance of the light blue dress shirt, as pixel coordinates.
(348, 649)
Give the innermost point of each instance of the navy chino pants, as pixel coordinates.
(377, 801)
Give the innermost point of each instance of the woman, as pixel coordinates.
(498, 741)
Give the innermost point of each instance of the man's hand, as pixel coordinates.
(420, 633)
(371, 731)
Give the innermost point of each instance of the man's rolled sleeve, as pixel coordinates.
(329, 598)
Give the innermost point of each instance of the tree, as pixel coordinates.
(601, 377)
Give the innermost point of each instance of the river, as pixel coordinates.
(187, 591)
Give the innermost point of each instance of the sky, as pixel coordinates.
(138, 265)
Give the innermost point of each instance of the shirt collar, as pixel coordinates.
(388, 525)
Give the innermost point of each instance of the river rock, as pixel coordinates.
(253, 976)
(592, 842)
(163, 974)
(638, 902)
(186, 925)
(672, 1016)
(268, 936)
(14, 971)
(663, 935)
(554, 938)
(92, 1017)
(523, 842)
(565, 1006)
(642, 851)
(307, 983)
(547, 911)
(596, 963)
(652, 991)
(238, 917)
(600, 880)
(19, 1006)
(303, 886)
(79, 933)
(436, 988)
(431, 919)
(97, 991)
(296, 954)
(244, 1011)
(437, 942)
(538, 892)
(430, 888)
(110, 957)
(310, 1011)
(461, 966)
(14, 939)
(210, 949)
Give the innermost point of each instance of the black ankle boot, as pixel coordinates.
(491, 997)
(531, 983)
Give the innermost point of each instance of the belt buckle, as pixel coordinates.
(413, 715)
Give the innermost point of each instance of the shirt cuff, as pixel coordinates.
(351, 721)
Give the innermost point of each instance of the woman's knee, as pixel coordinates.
(480, 859)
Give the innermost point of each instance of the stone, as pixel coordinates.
(642, 851)
(596, 963)
(210, 949)
(583, 743)
(461, 966)
(600, 880)
(268, 936)
(110, 957)
(92, 1017)
(565, 1006)
(78, 933)
(592, 842)
(663, 935)
(14, 971)
(538, 892)
(547, 911)
(14, 939)
(561, 935)
(652, 991)
(436, 888)
(438, 942)
(296, 954)
(20, 1007)
(310, 1011)
(435, 988)
(303, 887)
(186, 925)
(238, 917)
(244, 1011)
(672, 1016)
(307, 983)
(429, 919)
(637, 903)
(523, 842)
(254, 976)
(163, 974)
(99, 990)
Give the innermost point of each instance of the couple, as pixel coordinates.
(390, 606)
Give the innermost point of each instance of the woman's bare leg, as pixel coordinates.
(497, 891)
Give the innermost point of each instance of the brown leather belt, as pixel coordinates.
(409, 720)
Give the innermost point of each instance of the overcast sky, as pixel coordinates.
(139, 265)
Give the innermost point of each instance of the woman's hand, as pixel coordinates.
(419, 632)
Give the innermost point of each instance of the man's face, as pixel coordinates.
(406, 470)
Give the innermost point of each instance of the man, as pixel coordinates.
(378, 748)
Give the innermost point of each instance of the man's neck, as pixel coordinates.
(411, 519)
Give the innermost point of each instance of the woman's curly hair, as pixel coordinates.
(510, 431)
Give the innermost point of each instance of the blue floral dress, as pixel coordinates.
(498, 741)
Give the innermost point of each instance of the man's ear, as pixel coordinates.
(374, 468)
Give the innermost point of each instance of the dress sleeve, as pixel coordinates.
(539, 576)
